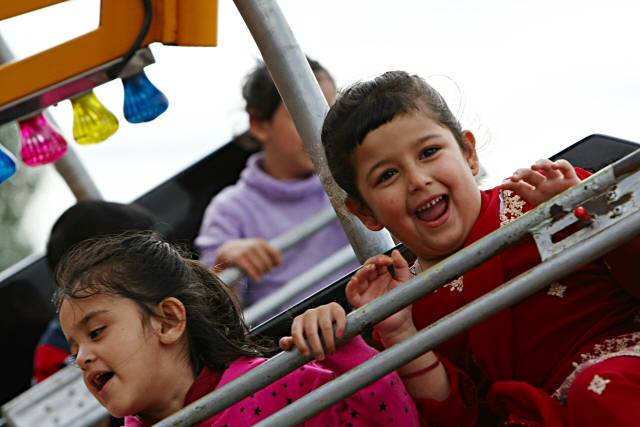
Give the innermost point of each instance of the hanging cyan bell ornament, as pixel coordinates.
(143, 101)
(7, 164)
(10, 142)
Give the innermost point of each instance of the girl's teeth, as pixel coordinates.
(430, 204)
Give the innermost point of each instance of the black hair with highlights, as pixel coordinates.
(146, 269)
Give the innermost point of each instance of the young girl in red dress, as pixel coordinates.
(566, 356)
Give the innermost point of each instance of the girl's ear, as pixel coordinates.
(170, 321)
(259, 128)
(469, 151)
(364, 214)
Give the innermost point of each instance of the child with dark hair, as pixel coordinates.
(277, 190)
(84, 220)
(154, 331)
(568, 355)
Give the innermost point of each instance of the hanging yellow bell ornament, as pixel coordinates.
(92, 122)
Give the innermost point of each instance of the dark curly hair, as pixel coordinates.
(143, 267)
(365, 106)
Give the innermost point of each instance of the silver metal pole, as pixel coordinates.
(500, 298)
(300, 92)
(62, 400)
(69, 167)
(259, 311)
(74, 173)
(286, 240)
(77, 177)
(433, 278)
(5, 53)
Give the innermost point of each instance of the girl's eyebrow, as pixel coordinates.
(85, 319)
(83, 322)
(424, 138)
(90, 315)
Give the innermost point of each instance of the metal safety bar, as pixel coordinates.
(500, 298)
(41, 405)
(593, 188)
(74, 174)
(266, 306)
(301, 94)
(286, 240)
(61, 400)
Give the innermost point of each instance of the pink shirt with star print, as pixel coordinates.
(383, 403)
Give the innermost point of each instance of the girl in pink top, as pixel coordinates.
(153, 331)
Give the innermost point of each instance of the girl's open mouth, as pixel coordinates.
(434, 209)
(100, 379)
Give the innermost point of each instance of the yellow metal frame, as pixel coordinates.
(175, 22)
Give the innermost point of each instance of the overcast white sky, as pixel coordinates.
(528, 77)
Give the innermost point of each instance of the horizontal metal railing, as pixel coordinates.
(480, 309)
(62, 400)
(36, 402)
(564, 204)
(286, 240)
(295, 288)
(610, 199)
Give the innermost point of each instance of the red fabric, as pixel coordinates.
(48, 360)
(207, 380)
(460, 406)
(529, 349)
(521, 404)
(617, 405)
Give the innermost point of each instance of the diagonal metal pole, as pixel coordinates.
(287, 240)
(462, 319)
(428, 281)
(301, 93)
(295, 288)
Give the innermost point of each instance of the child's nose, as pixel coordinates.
(84, 357)
(417, 180)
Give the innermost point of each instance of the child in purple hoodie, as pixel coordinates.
(153, 331)
(277, 190)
